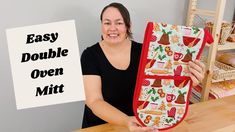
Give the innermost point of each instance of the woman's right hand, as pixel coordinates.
(134, 126)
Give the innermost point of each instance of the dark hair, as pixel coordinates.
(125, 14)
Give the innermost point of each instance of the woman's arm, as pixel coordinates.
(104, 110)
(96, 103)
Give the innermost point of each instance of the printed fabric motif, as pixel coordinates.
(163, 84)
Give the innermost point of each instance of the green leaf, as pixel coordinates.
(150, 91)
(195, 30)
(169, 32)
(156, 98)
(161, 49)
(193, 52)
(154, 91)
(167, 120)
(152, 98)
(188, 51)
(164, 56)
(156, 48)
(163, 31)
(179, 92)
(159, 57)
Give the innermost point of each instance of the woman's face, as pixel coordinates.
(113, 27)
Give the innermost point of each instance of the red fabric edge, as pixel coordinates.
(148, 32)
(207, 39)
(210, 39)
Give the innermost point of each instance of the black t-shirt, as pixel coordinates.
(117, 85)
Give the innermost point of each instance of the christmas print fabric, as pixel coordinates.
(163, 84)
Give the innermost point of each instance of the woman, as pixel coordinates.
(110, 69)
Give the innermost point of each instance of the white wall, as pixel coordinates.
(16, 13)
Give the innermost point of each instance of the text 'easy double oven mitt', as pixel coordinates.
(163, 84)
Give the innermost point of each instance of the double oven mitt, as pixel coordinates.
(163, 84)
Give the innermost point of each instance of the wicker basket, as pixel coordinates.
(225, 33)
(222, 71)
(209, 27)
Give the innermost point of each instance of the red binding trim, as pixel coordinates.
(207, 39)
(148, 32)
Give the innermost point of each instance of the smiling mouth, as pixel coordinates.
(113, 35)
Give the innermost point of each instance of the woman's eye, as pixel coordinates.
(120, 23)
(107, 23)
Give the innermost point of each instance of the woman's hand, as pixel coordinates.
(134, 126)
(197, 71)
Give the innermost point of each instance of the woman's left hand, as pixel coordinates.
(197, 71)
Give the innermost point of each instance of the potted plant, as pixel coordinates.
(161, 63)
(160, 56)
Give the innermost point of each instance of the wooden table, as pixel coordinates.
(211, 116)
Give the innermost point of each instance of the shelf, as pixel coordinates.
(226, 46)
(217, 16)
(193, 100)
(222, 72)
(204, 12)
(223, 79)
